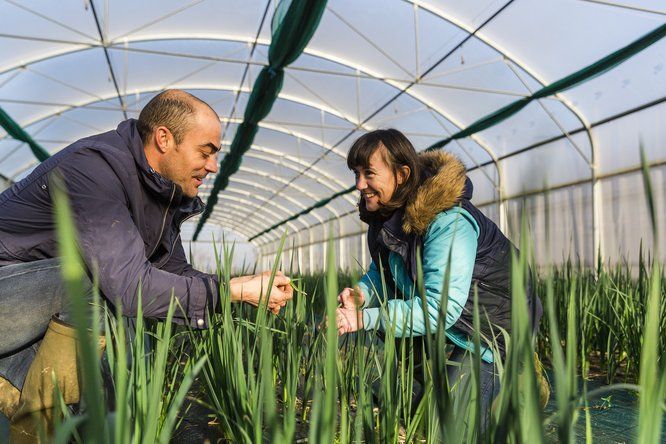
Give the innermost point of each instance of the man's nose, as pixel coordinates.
(211, 164)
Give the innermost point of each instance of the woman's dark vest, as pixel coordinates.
(491, 276)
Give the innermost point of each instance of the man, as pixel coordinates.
(130, 190)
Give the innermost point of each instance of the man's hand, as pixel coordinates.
(351, 298)
(251, 288)
(348, 320)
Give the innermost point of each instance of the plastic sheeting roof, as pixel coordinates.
(428, 68)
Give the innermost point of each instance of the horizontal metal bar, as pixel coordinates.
(576, 131)
(617, 173)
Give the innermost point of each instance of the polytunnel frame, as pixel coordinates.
(260, 208)
(591, 163)
(265, 175)
(264, 158)
(337, 60)
(236, 39)
(238, 204)
(100, 99)
(593, 125)
(507, 57)
(499, 187)
(311, 243)
(246, 194)
(265, 188)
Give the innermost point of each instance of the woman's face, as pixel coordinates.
(377, 183)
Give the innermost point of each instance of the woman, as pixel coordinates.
(420, 204)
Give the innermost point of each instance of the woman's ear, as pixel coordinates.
(403, 174)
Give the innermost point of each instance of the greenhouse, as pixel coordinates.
(556, 110)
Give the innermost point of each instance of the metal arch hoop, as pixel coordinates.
(246, 195)
(267, 176)
(265, 188)
(238, 203)
(594, 152)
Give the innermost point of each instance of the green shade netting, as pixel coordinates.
(14, 130)
(289, 39)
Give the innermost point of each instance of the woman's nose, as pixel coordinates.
(360, 183)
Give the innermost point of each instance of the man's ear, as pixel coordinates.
(163, 138)
(403, 174)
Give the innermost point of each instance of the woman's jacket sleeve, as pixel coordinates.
(450, 241)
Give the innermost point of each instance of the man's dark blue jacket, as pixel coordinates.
(128, 219)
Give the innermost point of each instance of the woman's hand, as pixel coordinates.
(251, 288)
(348, 320)
(351, 298)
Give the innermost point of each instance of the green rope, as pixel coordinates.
(583, 75)
(289, 39)
(15, 130)
(595, 69)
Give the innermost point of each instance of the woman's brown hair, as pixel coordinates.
(397, 152)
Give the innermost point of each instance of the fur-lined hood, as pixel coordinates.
(444, 186)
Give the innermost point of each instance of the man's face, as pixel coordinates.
(189, 162)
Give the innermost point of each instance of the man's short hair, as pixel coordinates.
(172, 108)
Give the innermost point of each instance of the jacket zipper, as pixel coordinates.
(173, 244)
(497, 291)
(166, 213)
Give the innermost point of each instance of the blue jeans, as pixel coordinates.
(30, 294)
(460, 374)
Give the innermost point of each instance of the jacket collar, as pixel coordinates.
(161, 187)
(444, 185)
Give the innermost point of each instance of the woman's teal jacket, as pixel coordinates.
(449, 239)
